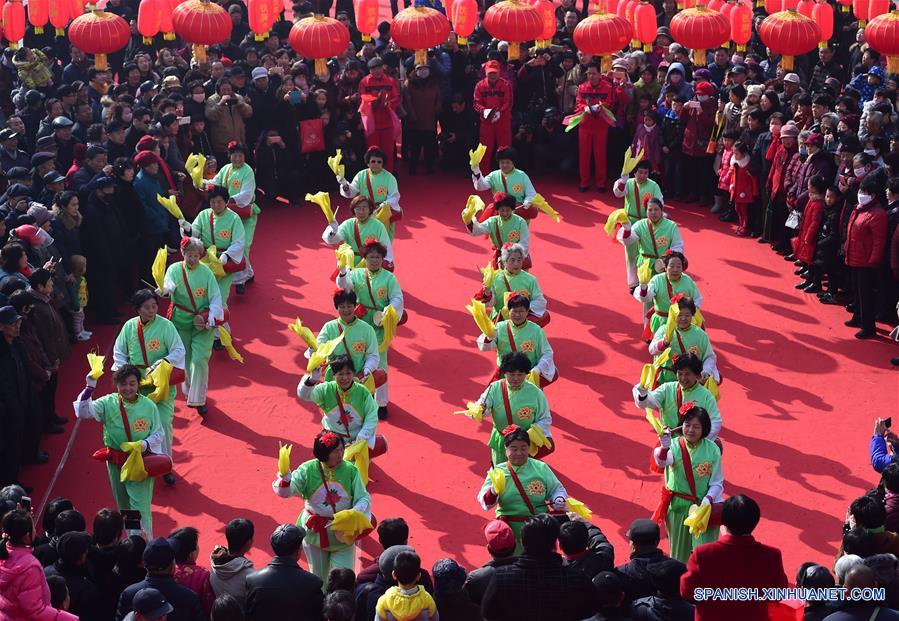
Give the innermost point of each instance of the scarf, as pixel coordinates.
(772, 148)
(100, 87)
(68, 221)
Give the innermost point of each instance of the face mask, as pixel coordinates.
(648, 127)
(864, 199)
(858, 172)
(871, 152)
(702, 98)
(803, 151)
(199, 97)
(423, 73)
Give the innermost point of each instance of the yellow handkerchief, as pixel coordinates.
(228, 344)
(644, 272)
(159, 379)
(576, 506)
(475, 156)
(698, 319)
(473, 205)
(304, 333)
(322, 352)
(357, 452)
(540, 203)
(488, 274)
(534, 377)
(655, 422)
(96, 364)
(349, 524)
(284, 458)
(662, 359)
(671, 322)
(334, 164)
(538, 439)
(619, 216)
(698, 519)
(497, 479)
(474, 411)
(646, 376)
(323, 200)
(631, 161)
(345, 256)
(158, 267)
(382, 215)
(133, 468)
(711, 385)
(171, 206)
(481, 319)
(211, 260)
(389, 320)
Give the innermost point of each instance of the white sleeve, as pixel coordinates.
(717, 423)
(168, 285)
(393, 199)
(538, 305)
(154, 441)
(389, 246)
(697, 300)
(558, 496)
(119, 354)
(283, 492)
(529, 191)
(677, 242)
(485, 344)
(304, 391)
(710, 364)
(647, 297)
(482, 495)
(216, 311)
(345, 281)
(658, 345)
(84, 406)
(480, 182)
(546, 366)
(631, 238)
(478, 228)
(372, 359)
(716, 483)
(396, 301)
(662, 463)
(545, 422)
(331, 234)
(235, 250)
(525, 240)
(348, 189)
(177, 353)
(618, 188)
(247, 193)
(646, 402)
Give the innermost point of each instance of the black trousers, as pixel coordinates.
(864, 283)
(12, 428)
(422, 140)
(698, 173)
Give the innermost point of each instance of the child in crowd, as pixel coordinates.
(725, 173)
(672, 141)
(826, 259)
(648, 137)
(804, 243)
(743, 187)
(185, 541)
(78, 296)
(407, 601)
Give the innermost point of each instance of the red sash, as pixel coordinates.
(499, 239)
(680, 342)
(155, 464)
(506, 404)
(143, 346)
(345, 346)
(637, 203)
(125, 422)
(318, 523)
(652, 236)
(505, 187)
(511, 338)
(358, 237)
(371, 192)
(679, 396)
(344, 417)
(361, 308)
(524, 496)
(190, 294)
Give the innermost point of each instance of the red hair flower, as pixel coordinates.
(689, 405)
(329, 439)
(509, 429)
(184, 241)
(232, 144)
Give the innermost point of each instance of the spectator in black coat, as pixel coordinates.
(457, 133)
(453, 604)
(644, 536)
(159, 560)
(538, 586)
(67, 521)
(611, 598)
(102, 234)
(501, 546)
(391, 532)
(282, 589)
(17, 395)
(66, 226)
(108, 529)
(667, 604)
(84, 597)
(585, 547)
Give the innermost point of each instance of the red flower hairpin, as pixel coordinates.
(510, 429)
(689, 405)
(329, 439)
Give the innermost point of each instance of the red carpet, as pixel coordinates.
(799, 397)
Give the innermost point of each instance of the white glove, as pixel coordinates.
(89, 381)
(154, 365)
(364, 376)
(705, 501)
(211, 321)
(185, 226)
(487, 113)
(594, 107)
(377, 317)
(495, 117)
(623, 179)
(144, 446)
(341, 180)
(894, 334)
(159, 292)
(345, 186)
(642, 392)
(476, 171)
(665, 440)
(526, 204)
(223, 259)
(316, 374)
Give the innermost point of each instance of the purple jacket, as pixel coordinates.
(24, 593)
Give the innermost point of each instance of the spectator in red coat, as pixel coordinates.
(700, 121)
(805, 243)
(185, 541)
(864, 250)
(735, 560)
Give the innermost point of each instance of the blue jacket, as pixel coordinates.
(156, 218)
(880, 458)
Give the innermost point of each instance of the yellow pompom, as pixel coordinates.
(619, 216)
(284, 458)
(576, 506)
(481, 319)
(474, 411)
(357, 452)
(349, 524)
(304, 333)
(322, 352)
(475, 156)
(538, 439)
(323, 200)
(540, 203)
(171, 206)
(497, 479)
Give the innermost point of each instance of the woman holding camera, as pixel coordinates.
(127, 416)
(328, 485)
(693, 476)
(520, 487)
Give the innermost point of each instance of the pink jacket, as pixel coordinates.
(24, 593)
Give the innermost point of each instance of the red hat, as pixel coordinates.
(184, 241)
(491, 65)
(500, 538)
(147, 143)
(705, 88)
(145, 158)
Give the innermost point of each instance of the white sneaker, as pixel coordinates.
(84, 336)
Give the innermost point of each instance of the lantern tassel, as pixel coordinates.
(699, 59)
(421, 56)
(200, 53)
(148, 40)
(100, 62)
(844, 8)
(258, 37)
(786, 62)
(892, 64)
(680, 6)
(38, 30)
(862, 23)
(514, 50)
(741, 48)
(606, 64)
(461, 40)
(321, 66)
(647, 47)
(60, 32)
(367, 38)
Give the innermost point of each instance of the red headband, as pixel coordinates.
(184, 242)
(689, 405)
(329, 439)
(337, 292)
(510, 429)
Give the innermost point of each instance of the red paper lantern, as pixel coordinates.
(465, 18)
(715, 5)
(448, 9)
(740, 19)
(860, 8)
(789, 34)
(774, 6)
(822, 14)
(548, 16)
(418, 28)
(14, 22)
(59, 16)
(882, 34)
(367, 18)
(700, 29)
(726, 9)
(844, 5)
(38, 14)
(515, 22)
(804, 7)
(629, 8)
(261, 19)
(76, 8)
(201, 23)
(602, 34)
(166, 25)
(148, 19)
(877, 8)
(319, 37)
(99, 33)
(645, 25)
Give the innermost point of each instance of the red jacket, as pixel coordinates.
(387, 92)
(805, 243)
(497, 98)
(743, 187)
(777, 175)
(588, 95)
(698, 127)
(866, 236)
(732, 561)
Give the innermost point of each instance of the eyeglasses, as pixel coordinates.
(374, 161)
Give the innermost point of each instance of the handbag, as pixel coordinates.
(312, 136)
(794, 219)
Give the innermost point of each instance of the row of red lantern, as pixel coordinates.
(40, 12)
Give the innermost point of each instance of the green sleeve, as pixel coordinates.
(219, 178)
(298, 481)
(393, 287)
(103, 406)
(319, 393)
(360, 494)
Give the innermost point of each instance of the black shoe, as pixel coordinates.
(582, 189)
(59, 420)
(217, 345)
(730, 216)
(813, 288)
(895, 361)
(804, 284)
(754, 234)
(762, 240)
(53, 429)
(42, 457)
(202, 410)
(602, 189)
(865, 334)
(382, 412)
(829, 298)
(852, 323)
(240, 289)
(169, 479)
(850, 308)
(800, 270)
(250, 280)
(789, 257)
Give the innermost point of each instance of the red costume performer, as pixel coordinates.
(493, 94)
(593, 130)
(379, 95)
